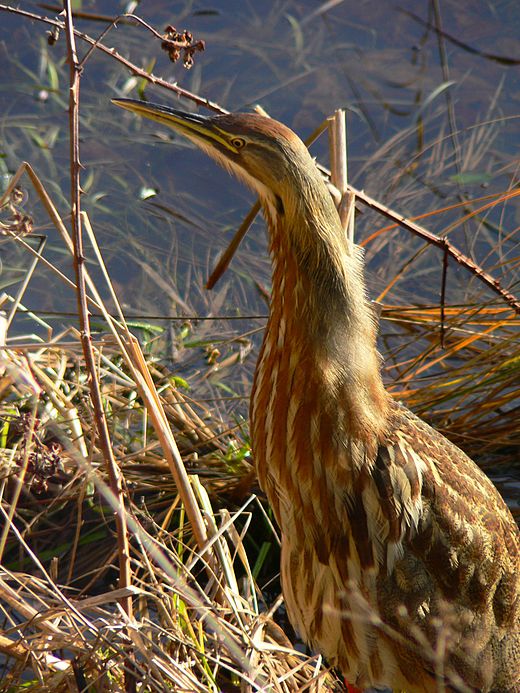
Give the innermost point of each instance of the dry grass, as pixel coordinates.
(200, 621)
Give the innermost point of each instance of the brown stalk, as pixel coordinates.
(125, 574)
(443, 295)
(491, 201)
(226, 256)
(120, 58)
(441, 243)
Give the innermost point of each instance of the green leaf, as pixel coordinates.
(471, 178)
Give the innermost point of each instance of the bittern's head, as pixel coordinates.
(264, 153)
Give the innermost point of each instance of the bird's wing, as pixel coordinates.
(448, 549)
(466, 536)
(422, 492)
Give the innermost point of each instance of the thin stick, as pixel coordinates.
(443, 295)
(442, 243)
(125, 574)
(117, 56)
(228, 253)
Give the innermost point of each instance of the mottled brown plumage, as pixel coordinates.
(400, 560)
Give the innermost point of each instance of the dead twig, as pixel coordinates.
(443, 243)
(184, 93)
(116, 484)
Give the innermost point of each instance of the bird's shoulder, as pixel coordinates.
(453, 486)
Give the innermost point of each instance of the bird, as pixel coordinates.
(400, 561)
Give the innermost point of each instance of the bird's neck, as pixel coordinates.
(321, 316)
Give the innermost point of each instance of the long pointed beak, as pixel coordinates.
(196, 127)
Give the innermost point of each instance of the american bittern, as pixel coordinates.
(400, 560)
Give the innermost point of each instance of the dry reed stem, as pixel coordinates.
(103, 436)
(132, 352)
(345, 199)
(112, 53)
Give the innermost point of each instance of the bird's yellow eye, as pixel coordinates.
(238, 142)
